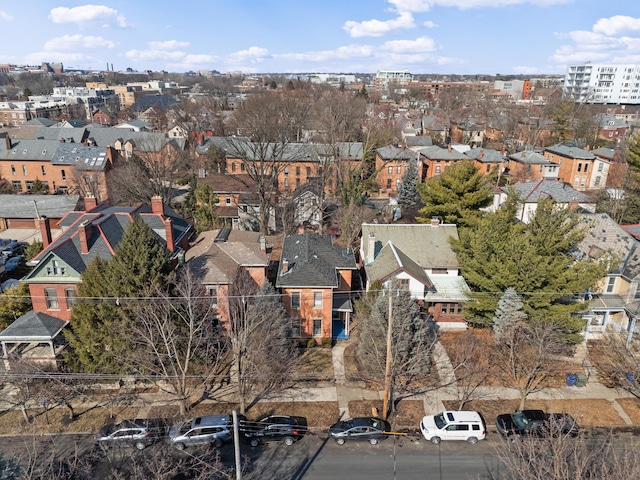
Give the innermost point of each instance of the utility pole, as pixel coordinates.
(387, 375)
(236, 445)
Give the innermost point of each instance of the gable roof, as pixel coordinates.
(391, 152)
(438, 153)
(570, 151)
(485, 155)
(529, 157)
(560, 192)
(391, 260)
(425, 244)
(312, 261)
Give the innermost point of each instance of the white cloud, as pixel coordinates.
(105, 16)
(429, 24)
(419, 45)
(378, 28)
(68, 58)
(75, 42)
(145, 55)
(251, 55)
(168, 45)
(417, 6)
(5, 16)
(616, 25)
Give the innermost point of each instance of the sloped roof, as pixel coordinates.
(33, 327)
(421, 141)
(448, 288)
(570, 151)
(391, 152)
(81, 156)
(560, 192)
(25, 150)
(605, 153)
(313, 261)
(485, 155)
(425, 244)
(529, 157)
(391, 260)
(32, 206)
(438, 153)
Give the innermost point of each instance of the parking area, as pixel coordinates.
(24, 234)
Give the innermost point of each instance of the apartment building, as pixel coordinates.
(387, 80)
(14, 114)
(603, 83)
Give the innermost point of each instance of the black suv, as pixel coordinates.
(536, 423)
(275, 428)
(140, 432)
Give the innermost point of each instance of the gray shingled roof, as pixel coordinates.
(391, 260)
(391, 152)
(80, 156)
(25, 150)
(570, 151)
(313, 261)
(427, 245)
(33, 327)
(438, 153)
(530, 158)
(485, 155)
(30, 206)
(605, 153)
(560, 192)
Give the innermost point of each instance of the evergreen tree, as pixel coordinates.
(510, 313)
(412, 340)
(535, 259)
(456, 196)
(14, 302)
(107, 296)
(408, 195)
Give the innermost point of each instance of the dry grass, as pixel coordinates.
(631, 406)
(315, 364)
(587, 412)
(407, 415)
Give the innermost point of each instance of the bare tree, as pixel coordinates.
(525, 356)
(618, 364)
(350, 219)
(471, 367)
(177, 343)
(259, 332)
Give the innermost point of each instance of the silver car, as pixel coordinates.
(208, 429)
(140, 432)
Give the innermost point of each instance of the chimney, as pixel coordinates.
(90, 202)
(285, 265)
(449, 147)
(85, 230)
(156, 205)
(168, 228)
(480, 154)
(263, 244)
(371, 247)
(435, 221)
(45, 231)
(8, 142)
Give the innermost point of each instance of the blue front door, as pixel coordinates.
(338, 330)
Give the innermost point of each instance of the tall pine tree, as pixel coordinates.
(408, 195)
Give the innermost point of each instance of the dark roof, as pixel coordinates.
(32, 327)
(570, 151)
(529, 157)
(313, 261)
(418, 141)
(32, 206)
(560, 192)
(438, 153)
(391, 152)
(485, 155)
(81, 156)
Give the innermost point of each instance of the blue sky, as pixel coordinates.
(261, 36)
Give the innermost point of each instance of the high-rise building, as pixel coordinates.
(603, 83)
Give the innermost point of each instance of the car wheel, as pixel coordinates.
(288, 440)
(373, 441)
(436, 440)
(179, 446)
(218, 442)
(472, 440)
(254, 442)
(340, 441)
(140, 445)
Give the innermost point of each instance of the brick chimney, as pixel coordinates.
(168, 228)
(285, 265)
(84, 231)
(263, 244)
(371, 247)
(45, 231)
(435, 221)
(449, 147)
(157, 206)
(90, 202)
(481, 154)
(8, 142)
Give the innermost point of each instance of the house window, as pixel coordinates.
(390, 170)
(586, 167)
(297, 182)
(576, 181)
(317, 327)
(286, 170)
(51, 298)
(453, 308)
(233, 168)
(398, 183)
(404, 283)
(583, 181)
(317, 299)
(600, 166)
(227, 201)
(579, 167)
(242, 167)
(308, 171)
(399, 169)
(17, 186)
(611, 283)
(24, 169)
(71, 296)
(63, 174)
(295, 328)
(295, 300)
(437, 169)
(489, 168)
(389, 180)
(298, 171)
(13, 169)
(597, 181)
(286, 183)
(44, 170)
(212, 292)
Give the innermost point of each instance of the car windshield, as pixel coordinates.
(520, 420)
(440, 421)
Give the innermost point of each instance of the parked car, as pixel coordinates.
(12, 263)
(536, 423)
(371, 429)
(140, 432)
(208, 429)
(454, 425)
(14, 248)
(275, 428)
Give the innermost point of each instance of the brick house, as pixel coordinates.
(529, 166)
(437, 159)
(420, 259)
(95, 232)
(391, 164)
(315, 278)
(575, 165)
(487, 160)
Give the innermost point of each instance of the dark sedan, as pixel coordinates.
(275, 428)
(371, 429)
(536, 423)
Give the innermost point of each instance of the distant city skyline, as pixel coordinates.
(508, 37)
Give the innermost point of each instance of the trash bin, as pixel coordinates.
(630, 377)
(581, 379)
(571, 379)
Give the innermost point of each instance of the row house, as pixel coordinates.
(60, 166)
(530, 166)
(437, 159)
(96, 232)
(487, 160)
(418, 258)
(468, 133)
(575, 165)
(615, 168)
(315, 278)
(391, 164)
(13, 114)
(220, 258)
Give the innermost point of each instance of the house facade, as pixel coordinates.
(575, 165)
(391, 164)
(563, 195)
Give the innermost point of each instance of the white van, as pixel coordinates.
(454, 425)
